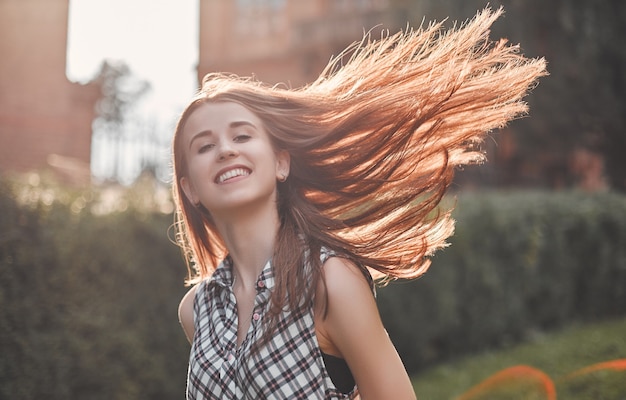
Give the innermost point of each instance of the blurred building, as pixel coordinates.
(283, 41)
(45, 120)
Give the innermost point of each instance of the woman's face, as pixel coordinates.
(231, 162)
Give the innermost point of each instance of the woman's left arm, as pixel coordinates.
(354, 328)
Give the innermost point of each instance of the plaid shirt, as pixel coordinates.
(289, 366)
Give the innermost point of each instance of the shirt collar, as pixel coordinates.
(223, 275)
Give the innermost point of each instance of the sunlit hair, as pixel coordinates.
(374, 143)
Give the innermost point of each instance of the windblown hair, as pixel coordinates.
(374, 143)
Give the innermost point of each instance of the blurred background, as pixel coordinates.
(90, 91)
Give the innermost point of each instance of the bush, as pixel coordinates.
(87, 303)
(518, 263)
(89, 288)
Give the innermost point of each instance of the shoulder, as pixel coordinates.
(185, 313)
(343, 292)
(352, 329)
(343, 277)
(347, 290)
(344, 299)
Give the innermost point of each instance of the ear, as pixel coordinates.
(283, 162)
(189, 191)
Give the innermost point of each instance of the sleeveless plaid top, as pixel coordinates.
(289, 366)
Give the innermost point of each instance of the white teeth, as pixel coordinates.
(232, 173)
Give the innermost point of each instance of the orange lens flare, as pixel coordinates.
(523, 378)
(519, 377)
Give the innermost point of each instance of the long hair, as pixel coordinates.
(374, 143)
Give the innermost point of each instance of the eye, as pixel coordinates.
(205, 147)
(242, 138)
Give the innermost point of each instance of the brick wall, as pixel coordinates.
(282, 41)
(42, 114)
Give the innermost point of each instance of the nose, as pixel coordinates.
(226, 151)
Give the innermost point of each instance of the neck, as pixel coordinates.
(250, 240)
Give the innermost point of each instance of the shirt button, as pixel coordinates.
(256, 316)
(261, 284)
(231, 356)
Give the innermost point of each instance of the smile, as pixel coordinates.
(233, 173)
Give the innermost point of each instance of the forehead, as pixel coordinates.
(219, 116)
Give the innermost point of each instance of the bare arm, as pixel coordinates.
(185, 313)
(355, 331)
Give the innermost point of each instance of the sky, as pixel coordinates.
(157, 39)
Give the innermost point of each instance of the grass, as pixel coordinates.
(556, 354)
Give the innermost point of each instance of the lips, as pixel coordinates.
(232, 173)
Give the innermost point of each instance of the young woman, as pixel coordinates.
(289, 201)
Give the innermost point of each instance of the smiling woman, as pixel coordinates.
(230, 161)
(288, 201)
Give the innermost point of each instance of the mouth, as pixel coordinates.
(231, 174)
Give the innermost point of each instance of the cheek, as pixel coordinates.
(198, 177)
(196, 166)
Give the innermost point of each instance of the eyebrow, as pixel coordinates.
(208, 132)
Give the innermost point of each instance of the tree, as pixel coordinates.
(121, 91)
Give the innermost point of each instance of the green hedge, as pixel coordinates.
(88, 301)
(519, 263)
